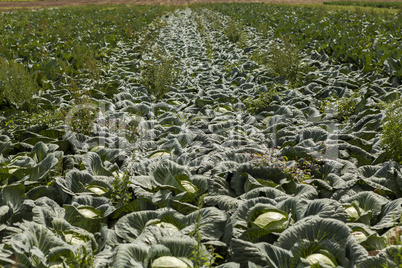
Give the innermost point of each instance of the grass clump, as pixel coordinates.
(262, 102)
(392, 130)
(160, 75)
(283, 59)
(235, 32)
(17, 87)
(83, 58)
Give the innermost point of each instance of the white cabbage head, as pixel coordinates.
(271, 217)
(168, 262)
(318, 258)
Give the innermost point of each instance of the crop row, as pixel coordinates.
(368, 41)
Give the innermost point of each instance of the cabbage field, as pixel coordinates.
(220, 135)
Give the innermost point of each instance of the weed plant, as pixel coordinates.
(149, 36)
(84, 258)
(17, 86)
(203, 30)
(394, 238)
(215, 21)
(392, 130)
(199, 258)
(84, 59)
(83, 113)
(234, 31)
(265, 30)
(300, 169)
(347, 106)
(24, 119)
(283, 59)
(304, 26)
(83, 120)
(159, 76)
(121, 194)
(262, 102)
(57, 46)
(128, 129)
(199, 24)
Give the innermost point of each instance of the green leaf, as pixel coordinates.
(224, 202)
(14, 195)
(85, 217)
(261, 254)
(131, 255)
(36, 240)
(314, 229)
(169, 173)
(39, 152)
(390, 215)
(94, 165)
(212, 225)
(130, 226)
(43, 168)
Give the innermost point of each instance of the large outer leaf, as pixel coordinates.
(75, 182)
(314, 229)
(368, 201)
(224, 202)
(314, 133)
(135, 205)
(263, 254)
(268, 192)
(229, 265)
(43, 168)
(326, 208)
(46, 210)
(152, 235)
(39, 237)
(88, 212)
(130, 255)
(91, 223)
(295, 207)
(5, 257)
(390, 214)
(13, 195)
(169, 173)
(94, 165)
(392, 175)
(5, 214)
(103, 204)
(180, 246)
(5, 145)
(173, 217)
(39, 152)
(130, 226)
(332, 252)
(379, 260)
(212, 225)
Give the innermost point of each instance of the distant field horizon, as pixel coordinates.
(6, 5)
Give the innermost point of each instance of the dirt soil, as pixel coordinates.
(7, 5)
